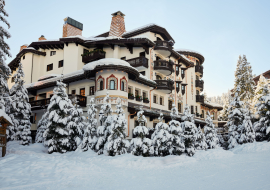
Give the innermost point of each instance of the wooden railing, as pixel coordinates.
(93, 56)
(164, 84)
(163, 64)
(138, 62)
(199, 69)
(199, 83)
(165, 44)
(200, 98)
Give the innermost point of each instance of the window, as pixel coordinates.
(196, 109)
(129, 90)
(32, 120)
(136, 93)
(213, 115)
(142, 54)
(73, 91)
(182, 72)
(192, 109)
(13, 79)
(161, 100)
(155, 99)
(92, 90)
(202, 113)
(143, 73)
(31, 99)
(61, 63)
(24, 57)
(183, 88)
(122, 85)
(177, 85)
(123, 58)
(53, 53)
(144, 95)
(176, 68)
(179, 107)
(170, 105)
(50, 67)
(112, 85)
(101, 85)
(82, 91)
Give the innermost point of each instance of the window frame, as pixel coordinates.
(52, 53)
(50, 66)
(60, 63)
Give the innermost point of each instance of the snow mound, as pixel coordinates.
(252, 148)
(106, 61)
(212, 154)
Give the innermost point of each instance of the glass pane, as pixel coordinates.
(112, 85)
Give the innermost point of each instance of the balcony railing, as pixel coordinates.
(93, 56)
(166, 85)
(138, 62)
(200, 98)
(165, 67)
(42, 104)
(199, 69)
(163, 45)
(199, 83)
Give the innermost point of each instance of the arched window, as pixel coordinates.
(101, 85)
(122, 85)
(112, 85)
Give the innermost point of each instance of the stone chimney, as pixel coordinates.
(23, 47)
(72, 27)
(117, 24)
(41, 38)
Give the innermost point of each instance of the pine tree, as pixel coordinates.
(262, 127)
(210, 132)
(90, 132)
(116, 144)
(75, 125)
(247, 132)
(200, 143)
(235, 119)
(57, 134)
(141, 146)
(41, 127)
(105, 119)
(20, 110)
(189, 131)
(259, 92)
(161, 138)
(177, 146)
(226, 99)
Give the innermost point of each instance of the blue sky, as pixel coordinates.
(220, 30)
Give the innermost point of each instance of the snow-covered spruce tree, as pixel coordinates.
(20, 110)
(235, 119)
(200, 143)
(177, 146)
(247, 132)
(259, 92)
(226, 99)
(189, 131)
(262, 127)
(57, 134)
(161, 138)
(210, 132)
(90, 132)
(117, 144)
(41, 127)
(141, 146)
(105, 119)
(75, 125)
(5, 71)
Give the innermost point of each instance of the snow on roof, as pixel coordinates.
(49, 40)
(187, 50)
(4, 115)
(212, 104)
(48, 76)
(145, 78)
(140, 28)
(106, 61)
(30, 48)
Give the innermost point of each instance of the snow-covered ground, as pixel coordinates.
(30, 167)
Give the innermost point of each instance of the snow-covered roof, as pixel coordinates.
(140, 28)
(211, 104)
(106, 61)
(48, 76)
(187, 50)
(5, 116)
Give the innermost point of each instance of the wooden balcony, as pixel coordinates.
(199, 83)
(199, 69)
(200, 98)
(42, 104)
(163, 47)
(138, 62)
(166, 86)
(93, 56)
(163, 66)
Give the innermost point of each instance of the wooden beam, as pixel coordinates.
(112, 46)
(129, 47)
(66, 43)
(146, 48)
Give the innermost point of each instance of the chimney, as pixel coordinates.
(41, 38)
(72, 27)
(117, 24)
(23, 47)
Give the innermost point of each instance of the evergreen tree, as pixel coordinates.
(226, 99)
(161, 138)
(262, 127)
(141, 146)
(20, 110)
(235, 119)
(90, 132)
(75, 125)
(247, 132)
(105, 119)
(116, 144)
(41, 127)
(189, 131)
(177, 146)
(200, 143)
(210, 132)
(259, 92)
(57, 134)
